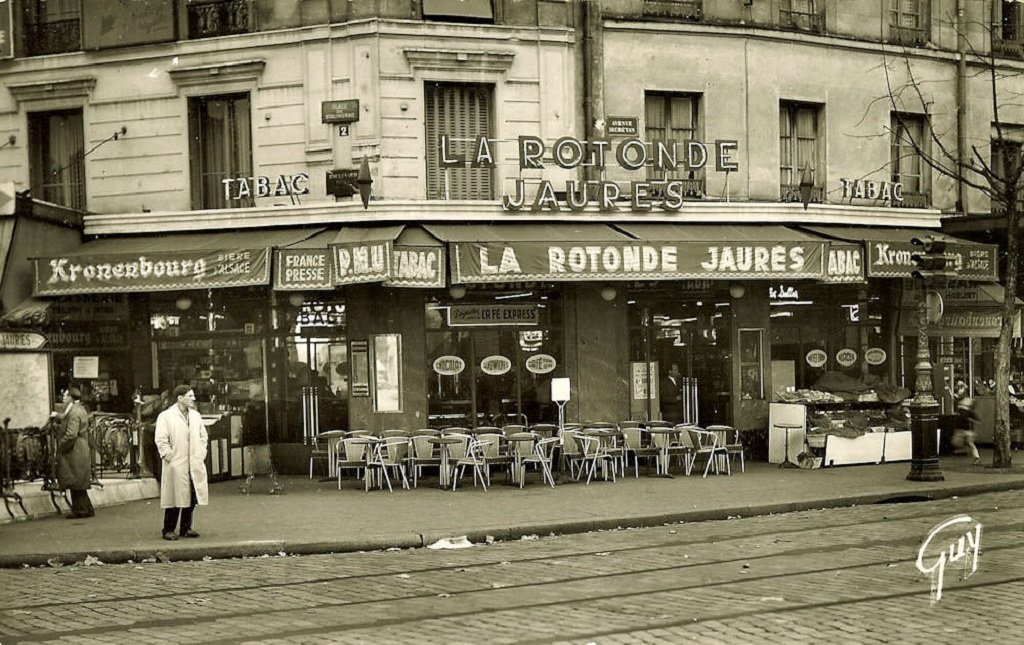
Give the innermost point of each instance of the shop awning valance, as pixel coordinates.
(889, 251)
(164, 262)
(397, 256)
(968, 310)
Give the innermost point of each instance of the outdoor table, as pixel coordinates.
(444, 441)
(663, 457)
(517, 438)
(786, 427)
(331, 437)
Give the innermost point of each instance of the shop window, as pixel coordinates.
(800, 150)
(462, 113)
(688, 10)
(56, 159)
(52, 26)
(908, 21)
(483, 372)
(478, 11)
(211, 18)
(220, 147)
(908, 133)
(674, 117)
(804, 15)
(1008, 38)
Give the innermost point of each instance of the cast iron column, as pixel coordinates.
(924, 409)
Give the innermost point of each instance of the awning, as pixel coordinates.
(969, 310)
(482, 253)
(165, 262)
(394, 255)
(889, 251)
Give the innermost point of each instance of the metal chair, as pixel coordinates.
(390, 453)
(474, 458)
(729, 437)
(706, 445)
(422, 454)
(351, 455)
(318, 452)
(542, 455)
(635, 447)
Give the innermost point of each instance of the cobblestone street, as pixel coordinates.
(841, 575)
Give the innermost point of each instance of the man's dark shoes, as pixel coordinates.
(170, 535)
(190, 534)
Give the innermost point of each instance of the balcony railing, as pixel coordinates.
(802, 21)
(791, 193)
(908, 35)
(213, 18)
(689, 10)
(1013, 47)
(55, 37)
(914, 200)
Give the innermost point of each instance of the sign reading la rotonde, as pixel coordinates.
(630, 154)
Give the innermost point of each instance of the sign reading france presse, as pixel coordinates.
(630, 154)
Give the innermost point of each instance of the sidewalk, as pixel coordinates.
(314, 517)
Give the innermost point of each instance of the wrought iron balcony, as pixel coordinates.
(914, 200)
(791, 193)
(55, 37)
(908, 35)
(213, 18)
(1012, 47)
(689, 10)
(802, 21)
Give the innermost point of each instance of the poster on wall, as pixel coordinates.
(85, 367)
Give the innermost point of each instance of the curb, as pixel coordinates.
(176, 552)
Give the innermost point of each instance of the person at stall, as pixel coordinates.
(964, 433)
(74, 471)
(672, 395)
(181, 440)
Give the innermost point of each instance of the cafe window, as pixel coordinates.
(908, 21)
(799, 149)
(479, 11)
(674, 117)
(52, 26)
(56, 159)
(462, 113)
(220, 147)
(906, 164)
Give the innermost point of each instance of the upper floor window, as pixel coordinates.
(1006, 161)
(462, 113)
(481, 11)
(692, 10)
(210, 18)
(220, 147)
(908, 21)
(674, 117)
(907, 166)
(52, 26)
(799, 150)
(805, 15)
(1007, 37)
(56, 159)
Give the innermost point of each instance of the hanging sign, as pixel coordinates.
(541, 364)
(361, 262)
(875, 356)
(449, 365)
(968, 261)
(417, 266)
(464, 315)
(541, 261)
(495, 365)
(846, 357)
(845, 263)
(817, 358)
(299, 269)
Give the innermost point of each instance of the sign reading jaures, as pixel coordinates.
(495, 261)
(117, 273)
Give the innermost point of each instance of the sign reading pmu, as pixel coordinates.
(668, 156)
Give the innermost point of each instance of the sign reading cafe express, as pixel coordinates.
(631, 154)
(123, 272)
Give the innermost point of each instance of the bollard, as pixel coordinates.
(924, 456)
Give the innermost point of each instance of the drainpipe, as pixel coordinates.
(593, 77)
(961, 107)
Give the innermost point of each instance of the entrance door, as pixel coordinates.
(316, 391)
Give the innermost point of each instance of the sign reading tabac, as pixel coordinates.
(125, 272)
(527, 261)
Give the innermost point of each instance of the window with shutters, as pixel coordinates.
(220, 147)
(803, 15)
(674, 117)
(1006, 161)
(52, 26)
(461, 112)
(56, 157)
(908, 21)
(799, 150)
(907, 166)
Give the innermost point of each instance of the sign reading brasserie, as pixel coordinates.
(631, 154)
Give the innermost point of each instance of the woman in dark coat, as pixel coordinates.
(74, 471)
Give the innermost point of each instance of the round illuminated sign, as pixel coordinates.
(875, 356)
(449, 365)
(846, 357)
(817, 358)
(495, 365)
(541, 363)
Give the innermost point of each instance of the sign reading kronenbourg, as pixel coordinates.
(527, 261)
(896, 260)
(124, 272)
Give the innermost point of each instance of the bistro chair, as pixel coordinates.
(542, 455)
(635, 447)
(729, 437)
(591, 454)
(474, 458)
(495, 452)
(422, 454)
(390, 453)
(351, 455)
(395, 433)
(510, 429)
(572, 455)
(544, 430)
(479, 430)
(705, 445)
(669, 445)
(318, 452)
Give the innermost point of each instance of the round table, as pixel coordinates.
(663, 449)
(444, 441)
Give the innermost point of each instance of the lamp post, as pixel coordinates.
(931, 262)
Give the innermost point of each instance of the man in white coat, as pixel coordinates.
(181, 440)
